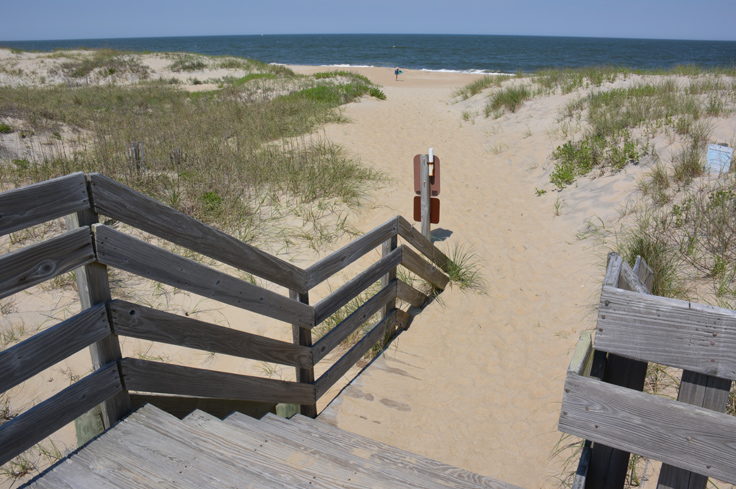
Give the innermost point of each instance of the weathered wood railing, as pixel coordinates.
(116, 382)
(603, 402)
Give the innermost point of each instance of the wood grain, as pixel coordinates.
(142, 322)
(120, 202)
(347, 326)
(410, 295)
(415, 238)
(40, 202)
(27, 429)
(51, 346)
(333, 263)
(415, 263)
(161, 378)
(352, 288)
(303, 337)
(672, 332)
(37, 263)
(135, 256)
(693, 438)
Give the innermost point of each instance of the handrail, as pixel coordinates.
(96, 246)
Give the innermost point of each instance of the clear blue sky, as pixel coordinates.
(79, 19)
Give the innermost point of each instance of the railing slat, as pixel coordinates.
(40, 202)
(42, 261)
(415, 263)
(672, 332)
(27, 429)
(352, 288)
(679, 434)
(120, 202)
(133, 255)
(333, 263)
(352, 356)
(348, 325)
(409, 294)
(51, 346)
(162, 378)
(418, 241)
(142, 322)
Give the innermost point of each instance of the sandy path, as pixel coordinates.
(476, 382)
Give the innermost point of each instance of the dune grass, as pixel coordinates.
(507, 99)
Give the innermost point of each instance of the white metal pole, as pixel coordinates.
(425, 195)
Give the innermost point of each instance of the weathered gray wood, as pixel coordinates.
(386, 249)
(135, 256)
(668, 331)
(352, 288)
(358, 317)
(162, 378)
(415, 263)
(120, 202)
(40, 202)
(644, 272)
(415, 238)
(142, 322)
(707, 392)
(333, 263)
(42, 261)
(693, 438)
(403, 319)
(386, 455)
(613, 270)
(630, 281)
(582, 356)
(352, 356)
(27, 429)
(303, 337)
(52, 345)
(69, 474)
(579, 480)
(409, 294)
(93, 288)
(181, 406)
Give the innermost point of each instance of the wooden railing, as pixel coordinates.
(116, 382)
(603, 402)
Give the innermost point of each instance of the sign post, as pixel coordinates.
(424, 179)
(427, 185)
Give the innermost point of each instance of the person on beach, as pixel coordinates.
(397, 72)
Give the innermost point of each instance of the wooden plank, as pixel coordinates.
(93, 288)
(352, 288)
(40, 202)
(403, 319)
(386, 455)
(42, 261)
(136, 256)
(582, 356)
(644, 272)
(411, 260)
(672, 332)
(162, 378)
(351, 323)
(51, 346)
(142, 322)
(120, 202)
(303, 337)
(630, 281)
(613, 270)
(352, 356)
(386, 249)
(409, 294)
(693, 438)
(707, 392)
(27, 429)
(180, 406)
(333, 263)
(415, 238)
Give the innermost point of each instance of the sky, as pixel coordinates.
(83, 19)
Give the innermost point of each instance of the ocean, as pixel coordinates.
(469, 53)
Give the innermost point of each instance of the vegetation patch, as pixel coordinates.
(507, 99)
(105, 63)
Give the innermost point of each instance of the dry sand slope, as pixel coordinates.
(475, 382)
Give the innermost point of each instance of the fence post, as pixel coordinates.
(388, 246)
(94, 288)
(303, 337)
(426, 195)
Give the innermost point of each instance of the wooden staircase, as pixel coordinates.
(153, 449)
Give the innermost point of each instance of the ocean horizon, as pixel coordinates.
(432, 52)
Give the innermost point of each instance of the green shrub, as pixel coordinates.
(188, 63)
(5, 128)
(509, 99)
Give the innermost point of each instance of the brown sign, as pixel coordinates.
(434, 209)
(434, 180)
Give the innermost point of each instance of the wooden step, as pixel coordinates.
(288, 454)
(382, 453)
(339, 453)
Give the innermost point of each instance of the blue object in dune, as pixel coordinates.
(719, 158)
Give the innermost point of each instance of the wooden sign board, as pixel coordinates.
(434, 180)
(434, 210)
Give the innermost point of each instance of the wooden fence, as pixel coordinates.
(603, 402)
(116, 382)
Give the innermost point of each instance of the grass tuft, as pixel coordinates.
(464, 270)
